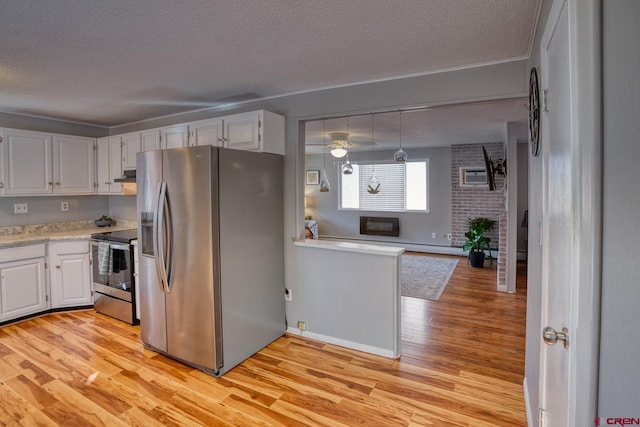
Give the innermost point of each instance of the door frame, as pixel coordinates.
(585, 40)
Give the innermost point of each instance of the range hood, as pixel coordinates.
(128, 176)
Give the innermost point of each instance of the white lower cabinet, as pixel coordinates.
(23, 285)
(70, 279)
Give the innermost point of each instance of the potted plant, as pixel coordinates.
(477, 242)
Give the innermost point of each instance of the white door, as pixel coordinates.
(175, 137)
(130, 146)
(27, 163)
(72, 283)
(150, 140)
(242, 131)
(22, 288)
(206, 132)
(557, 227)
(73, 162)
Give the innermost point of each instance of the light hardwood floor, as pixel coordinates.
(462, 365)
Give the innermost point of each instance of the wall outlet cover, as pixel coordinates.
(20, 208)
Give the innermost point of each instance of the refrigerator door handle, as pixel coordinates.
(158, 234)
(169, 239)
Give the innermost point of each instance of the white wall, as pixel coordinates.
(123, 207)
(46, 209)
(620, 327)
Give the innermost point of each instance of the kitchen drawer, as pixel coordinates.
(62, 247)
(18, 253)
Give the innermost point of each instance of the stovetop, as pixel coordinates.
(122, 236)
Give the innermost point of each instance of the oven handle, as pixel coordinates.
(118, 246)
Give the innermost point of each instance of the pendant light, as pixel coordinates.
(347, 169)
(400, 155)
(324, 182)
(374, 182)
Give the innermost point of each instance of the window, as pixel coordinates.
(403, 187)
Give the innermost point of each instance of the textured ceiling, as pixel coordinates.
(119, 61)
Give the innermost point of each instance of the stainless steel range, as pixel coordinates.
(113, 275)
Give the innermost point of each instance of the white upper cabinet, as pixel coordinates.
(73, 165)
(131, 144)
(109, 165)
(27, 162)
(36, 163)
(175, 136)
(242, 131)
(257, 130)
(206, 132)
(150, 140)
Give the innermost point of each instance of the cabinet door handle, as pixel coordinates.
(58, 184)
(50, 182)
(108, 183)
(57, 266)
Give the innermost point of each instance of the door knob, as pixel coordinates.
(551, 336)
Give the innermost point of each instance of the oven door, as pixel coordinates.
(112, 269)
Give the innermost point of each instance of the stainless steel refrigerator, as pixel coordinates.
(211, 254)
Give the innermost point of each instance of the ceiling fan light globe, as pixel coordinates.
(338, 153)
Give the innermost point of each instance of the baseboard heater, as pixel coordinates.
(379, 226)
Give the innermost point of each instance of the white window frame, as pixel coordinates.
(369, 162)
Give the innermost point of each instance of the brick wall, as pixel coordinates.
(503, 231)
(474, 202)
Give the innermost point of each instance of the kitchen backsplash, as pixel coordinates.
(48, 209)
(58, 226)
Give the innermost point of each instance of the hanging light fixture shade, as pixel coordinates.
(324, 186)
(340, 142)
(373, 186)
(338, 152)
(400, 155)
(347, 169)
(324, 183)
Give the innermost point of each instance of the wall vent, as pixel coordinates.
(473, 177)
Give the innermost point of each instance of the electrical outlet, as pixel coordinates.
(434, 235)
(302, 326)
(20, 208)
(449, 236)
(64, 206)
(288, 295)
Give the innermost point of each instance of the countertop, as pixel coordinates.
(351, 247)
(46, 236)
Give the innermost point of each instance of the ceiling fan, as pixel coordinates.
(340, 144)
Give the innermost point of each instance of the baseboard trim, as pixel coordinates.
(344, 343)
(527, 403)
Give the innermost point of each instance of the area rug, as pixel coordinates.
(425, 277)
